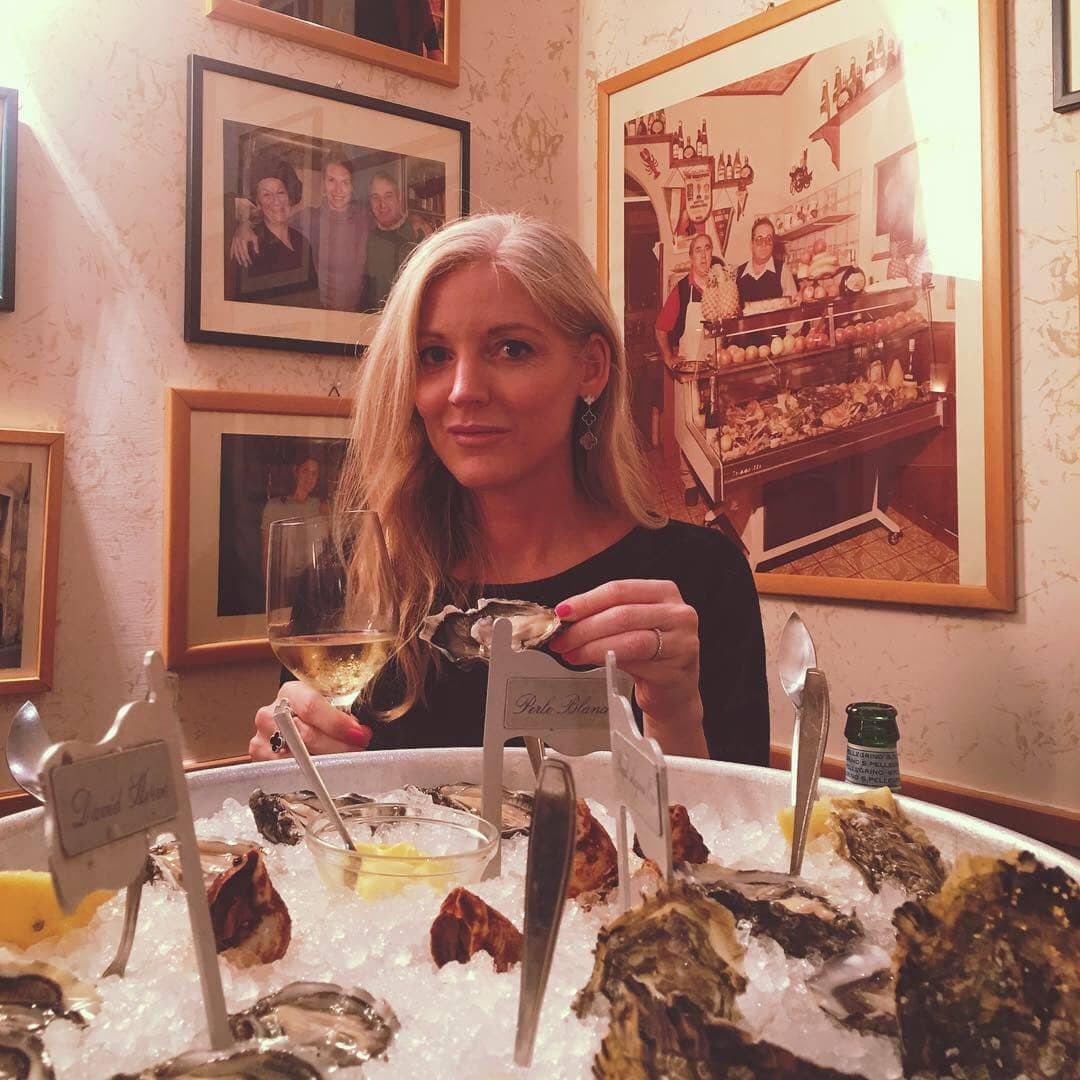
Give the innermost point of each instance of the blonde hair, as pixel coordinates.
(429, 519)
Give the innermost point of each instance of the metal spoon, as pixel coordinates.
(283, 718)
(27, 743)
(551, 850)
(806, 764)
(796, 655)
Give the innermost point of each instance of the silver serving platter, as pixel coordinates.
(740, 792)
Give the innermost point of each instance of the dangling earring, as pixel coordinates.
(588, 441)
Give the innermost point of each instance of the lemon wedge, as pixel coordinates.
(30, 911)
(823, 807)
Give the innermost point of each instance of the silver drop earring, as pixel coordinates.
(588, 441)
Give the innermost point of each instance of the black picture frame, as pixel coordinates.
(1066, 83)
(9, 146)
(234, 126)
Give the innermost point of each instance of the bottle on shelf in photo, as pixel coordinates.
(870, 76)
(824, 107)
(704, 138)
(641, 128)
(860, 85)
(659, 124)
(879, 50)
(729, 172)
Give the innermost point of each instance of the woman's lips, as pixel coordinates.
(475, 434)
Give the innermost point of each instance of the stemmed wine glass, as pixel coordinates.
(331, 612)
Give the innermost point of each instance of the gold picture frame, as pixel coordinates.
(447, 71)
(31, 478)
(758, 85)
(230, 460)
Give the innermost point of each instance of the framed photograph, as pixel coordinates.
(302, 203)
(237, 463)
(31, 475)
(1066, 45)
(807, 239)
(9, 145)
(417, 37)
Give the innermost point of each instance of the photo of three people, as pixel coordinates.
(317, 224)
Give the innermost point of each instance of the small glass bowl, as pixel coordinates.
(440, 847)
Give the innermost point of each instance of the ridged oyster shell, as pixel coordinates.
(23, 1054)
(270, 1059)
(517, 806)
(281, 817)
(33, 994)
(465, 636)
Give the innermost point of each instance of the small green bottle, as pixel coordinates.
(872, 734)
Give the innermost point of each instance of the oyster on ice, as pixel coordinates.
(594, 868)
(883, 844)
(281, 817)
(517, 806)
(677, 947)
(859, 990)
(988, 972)
(688, 847)
(802, 922)
(269, 1060)
(467, 925)
(347, 1028)
(465, 636)
(215, 857)
(34, 993)
(22, 1054)
(648, 1038)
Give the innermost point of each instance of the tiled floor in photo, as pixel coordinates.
(864, 552)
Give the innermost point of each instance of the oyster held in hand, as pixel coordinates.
(988, 972)
(465, 636)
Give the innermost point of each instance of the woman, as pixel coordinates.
(299, 503)
(281, 270)
(493, 435)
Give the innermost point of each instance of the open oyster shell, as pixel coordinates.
(859, 990)
(348, 1028)
(270, 1059)
(465, 636)
(33, 994)
(517, 806)
(23, 1054)
(798, 919)
(281, 817)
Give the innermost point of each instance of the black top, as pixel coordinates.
(712, 576)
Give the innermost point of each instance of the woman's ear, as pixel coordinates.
(596, 367)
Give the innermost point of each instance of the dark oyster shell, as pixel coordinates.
(282, 817)
(988, 972)
(648, 1038)
(802, 922)
(267, 1060)
(22, 1054)
(688, 847)
(347, 1027)
(678, 946)
(466, 925)
(884, 845)
(465, 636)
(859, 990)
(215, 857)
(517, 806)
(251, 923)
(33, 994)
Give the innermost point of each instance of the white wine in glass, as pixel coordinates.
(330, 606)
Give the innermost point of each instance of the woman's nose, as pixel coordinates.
(470, 381)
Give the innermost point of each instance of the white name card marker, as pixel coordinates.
(105, 802)
(640, 788)
(529, 693)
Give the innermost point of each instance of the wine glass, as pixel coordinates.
(331, 610)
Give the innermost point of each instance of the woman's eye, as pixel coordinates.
(433, 356)
(516, 350)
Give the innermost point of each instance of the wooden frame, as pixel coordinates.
(212, 546)
(1066, 62)
(9, 144)
(31, 478)
(789, 31)
(448, 71)
(301, 291)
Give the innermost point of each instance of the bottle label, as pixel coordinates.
(870, 766)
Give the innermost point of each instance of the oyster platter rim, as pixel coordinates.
(692, 781)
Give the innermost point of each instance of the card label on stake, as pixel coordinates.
(102, 799)
(640, 778)
(532, 704)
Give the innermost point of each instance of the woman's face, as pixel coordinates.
(273, 199)
(497, 385)
(307, 477)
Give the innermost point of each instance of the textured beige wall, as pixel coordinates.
(986, 701)
(97, 334)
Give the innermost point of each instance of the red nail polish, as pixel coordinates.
(359, 736)
(563, 611)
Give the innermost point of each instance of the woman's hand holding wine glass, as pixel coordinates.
(332, 621)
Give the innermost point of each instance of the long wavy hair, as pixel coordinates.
(429, 519)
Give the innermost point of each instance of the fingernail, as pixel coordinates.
(359, 735)
(564, 611)
(572, 656)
